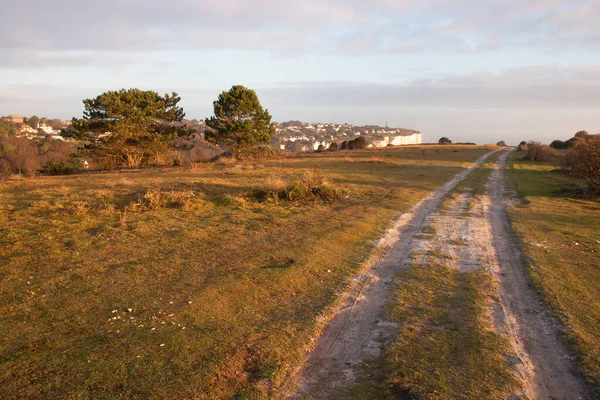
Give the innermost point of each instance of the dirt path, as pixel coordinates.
(469, 232)
(358, 331)
(546, 365)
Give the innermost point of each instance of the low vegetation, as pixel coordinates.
(171, 283)
(539, 152)
(311, 187)
(19, 155)
(447, 349)
(583, 162)
(560, 235)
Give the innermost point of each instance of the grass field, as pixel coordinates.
(178, 282)
(561, 237)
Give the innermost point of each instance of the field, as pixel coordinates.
(561, 237)
(191, 282)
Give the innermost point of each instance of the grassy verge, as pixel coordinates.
(176, 282)
(561, 238)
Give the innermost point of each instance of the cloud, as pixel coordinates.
(289, 27)
(531, 87)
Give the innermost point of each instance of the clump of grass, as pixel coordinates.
(430, 230)
(311, 187)
(199, 166)
(80, 207)
(226, 161)
(275, 184)
(155, 199)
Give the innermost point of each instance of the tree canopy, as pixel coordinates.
(445, 140)
(6, 129)
(33, 121)
(239, 120)
(130, 127)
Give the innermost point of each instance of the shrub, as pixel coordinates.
(344, 145)
(574, 142)
(360, 143)
(501, 143)
(320, 149)
(522, 146)
(539, 152)
(558, 145)
(333, 147)
(444, 140)
(58, 167)
(582, 135)
(312, 186)
(258, 152)
(584, 162)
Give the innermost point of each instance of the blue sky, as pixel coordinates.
(478, 71)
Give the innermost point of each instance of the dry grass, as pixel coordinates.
(177, 302)
(560, 235)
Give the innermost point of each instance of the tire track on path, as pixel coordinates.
(357, 331)
(547, 367)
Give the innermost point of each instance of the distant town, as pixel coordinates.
(290, 136)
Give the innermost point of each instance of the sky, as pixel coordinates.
(471, 70)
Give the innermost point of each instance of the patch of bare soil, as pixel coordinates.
(358, 331)
(543, 360)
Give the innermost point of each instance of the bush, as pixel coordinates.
(320, 149)
(58, 167)
(333, 147)
(584, 162)
(522, 146)
(311, 187)
(257, 152)
(444, 140)
(582, 135)
(539, 152)
(501, 143)
(358, 143)
(574, 142)
(344, 145)
(558, 145)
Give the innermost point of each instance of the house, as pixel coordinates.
(46, 129)
(25, 129)
(14, 119)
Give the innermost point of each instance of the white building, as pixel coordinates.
(400, 140)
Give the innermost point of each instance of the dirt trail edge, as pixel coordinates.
(357, 331)
(547, 367)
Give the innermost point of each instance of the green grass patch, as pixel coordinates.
(447, 348)
(561, 238)
(125, 285)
